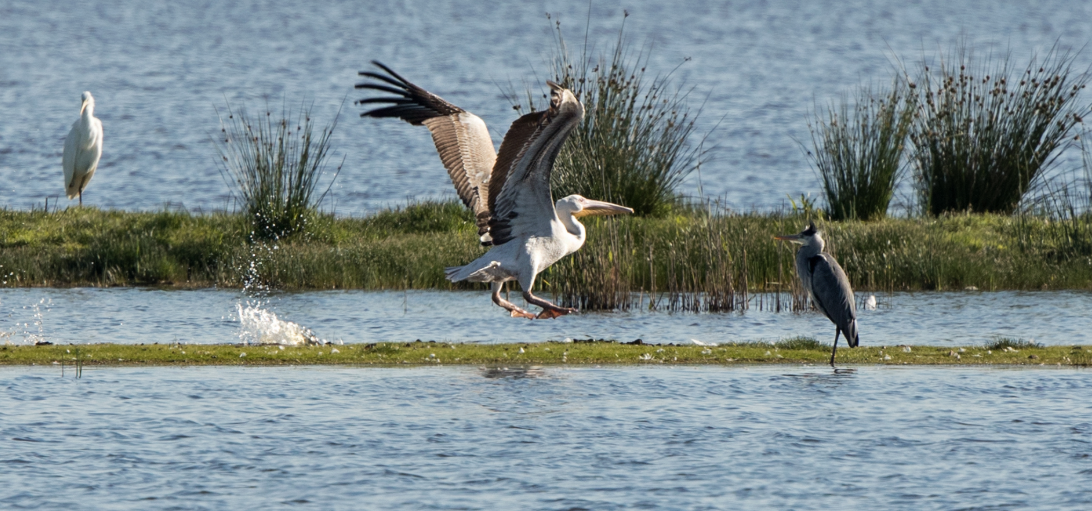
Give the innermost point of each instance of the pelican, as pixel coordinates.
(508, 191)
(461, 137)
(82, 149)
(826, 283)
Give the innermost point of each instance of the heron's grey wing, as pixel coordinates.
(520, 199)
(461, 138)
(833, 294)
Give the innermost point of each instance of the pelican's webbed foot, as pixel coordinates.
(551, 313)
(516, 312)
(549, 310)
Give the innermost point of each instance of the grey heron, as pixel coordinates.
(826, 283)
(508, 191)
(82, 149)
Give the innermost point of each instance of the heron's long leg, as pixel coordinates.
(81, 197)
(515, 311)
(837, 331)
(549, 310)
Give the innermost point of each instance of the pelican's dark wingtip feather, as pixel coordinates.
(384, 88)
(430, 105)
(460, 137)
(410, 113)
(393, 101)
(377, 76)
(391, 72)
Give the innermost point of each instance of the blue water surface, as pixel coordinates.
(546, 438)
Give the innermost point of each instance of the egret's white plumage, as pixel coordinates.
(82, 150)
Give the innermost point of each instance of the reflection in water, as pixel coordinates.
(832, 378)
(514, 372)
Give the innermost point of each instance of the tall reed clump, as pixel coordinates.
(857, 150)
(634, 144)
(1065, 206)
(275, 167)
(984, 132)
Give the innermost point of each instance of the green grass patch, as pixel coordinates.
(515, 354)
(1006, 343)
(689, 260)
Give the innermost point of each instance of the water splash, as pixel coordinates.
(38, 335)
(260, 326)
(33, 332)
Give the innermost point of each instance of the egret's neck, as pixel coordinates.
(88, 112)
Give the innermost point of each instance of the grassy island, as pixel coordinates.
(792, 351)
(687, 255)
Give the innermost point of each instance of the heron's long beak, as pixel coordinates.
(594, 207)
(83, 107)
(795, 238)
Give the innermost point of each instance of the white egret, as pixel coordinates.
(82, 149)
(827, 285)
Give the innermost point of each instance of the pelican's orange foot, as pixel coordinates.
(553, 313)
(522, 314)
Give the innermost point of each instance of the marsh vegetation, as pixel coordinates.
(691, 259)
(636, 142)
(275, 167)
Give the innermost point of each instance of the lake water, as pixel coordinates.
(134, 315)
(546, 438)
(158, 69)
(502, 438)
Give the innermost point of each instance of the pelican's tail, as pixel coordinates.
(474, 273)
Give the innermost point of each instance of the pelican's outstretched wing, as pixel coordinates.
(519, 195)
(833, 294)
(461, 137)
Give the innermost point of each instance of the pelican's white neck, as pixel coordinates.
(565, 212)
